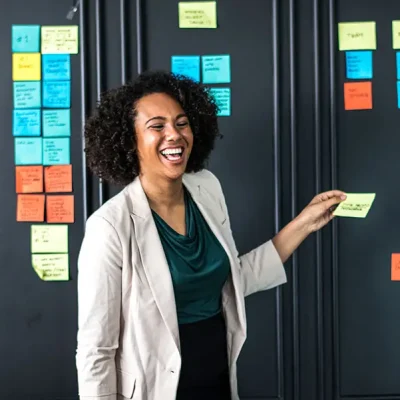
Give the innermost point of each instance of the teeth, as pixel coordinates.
(171, 151)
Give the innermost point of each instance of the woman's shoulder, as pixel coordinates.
(206, 179)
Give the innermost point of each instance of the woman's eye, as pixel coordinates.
(181, 124)
(157, 127)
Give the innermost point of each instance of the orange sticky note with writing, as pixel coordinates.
(30, 208)
(395, 267)
(358, 96)
(58, 178)
(29, 179)
(60, 209)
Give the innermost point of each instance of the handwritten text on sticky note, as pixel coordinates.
(216, 69)
(26, 123)
(58, 178)
(56, 151)
(60, 39)
(28, 151)
(27, 95)
(56, 94)
(357, 36)
(30, 208)
(202, 14)
(51, 267)
(188, 66)
(60, 209)
(395, 267)
(56, 123)
(49, 238)
(359, 64)
(29, 179)
(356, 205)
(56, 67)
(25, 38)
(358, 96)
(26, 67)
(222, 97)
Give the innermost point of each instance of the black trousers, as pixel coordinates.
(205, 371)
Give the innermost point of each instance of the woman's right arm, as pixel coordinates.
(99, 305)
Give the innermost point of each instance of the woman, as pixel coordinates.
(161, 287)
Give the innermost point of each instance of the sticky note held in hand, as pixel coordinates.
(356, 205)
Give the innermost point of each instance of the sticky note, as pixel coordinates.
(56, 94)
(357, 36)
(356, 205)
(25, 38)
(26, 123)
(30, 208)
(60, 39)
(58, 178)
(60, 209)
(222, 97)
(28, 151)
(56, 67)
(29, 179)
(56, 123)
(359, 64)
(396, 34)
(26, 67)
(398, 64)
(216, 69)
(358, 96)
(51, 267)
(188, 66)
(398, 94)
(27, 95)
(56, 151)
(49, 238)
(395, 267)
(201, 14)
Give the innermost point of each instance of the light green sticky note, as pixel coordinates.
(49, 238)
(51, 267)
(356, 205)
(396, 34)
(199, 14)
(357, 36)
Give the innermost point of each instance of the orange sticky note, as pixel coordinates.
(58, 178)
(29, 179)
(358, 96)
(60, 209)
(396, 267)
(30, 208)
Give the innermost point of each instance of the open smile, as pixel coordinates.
(173, 154)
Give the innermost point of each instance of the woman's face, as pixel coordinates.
(163, 135)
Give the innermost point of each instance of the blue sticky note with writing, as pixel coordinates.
(56, 67)
(25, 38)
(27, 94)
(398, 94)
(26, 123)
(398, 64)
(222, 97)
(188, 66)
(56, 123)
(56, 151)
(56, 94)
(28, 151)
(359, 64)
(216, 69)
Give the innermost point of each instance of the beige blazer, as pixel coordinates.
(128, 337)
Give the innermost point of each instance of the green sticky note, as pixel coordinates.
(222, 97)
(49, 238)
(356, 205)
(216, 69)
(197, 14)
(357, 36)
(51, 267)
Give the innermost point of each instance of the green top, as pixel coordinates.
(198, 264)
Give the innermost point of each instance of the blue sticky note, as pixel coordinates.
(56, 151)
(25, 39)
(28, 151)
(56, 123)
(216, 69)
(222, 97)
(359, 64)
(186, 65)
(56, 94)
(27, 94)
(56, 67)
(398, 94)
(398, 64)
(26, 123)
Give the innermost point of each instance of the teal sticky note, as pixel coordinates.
(26, 123)
(216, 69)
(188, 66)
(28, 151)
(56, 123)
(56, 151)
(27, 94)
(398, 94)
(359, 64)
(222, 97)
(398, 64)
(56, 67)
(25, 38)
(56, 94)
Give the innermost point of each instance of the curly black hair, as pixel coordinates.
(110, 139)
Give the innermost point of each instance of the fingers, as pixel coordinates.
(330, 202)
(332, 193)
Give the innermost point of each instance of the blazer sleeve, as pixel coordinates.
(99, 304)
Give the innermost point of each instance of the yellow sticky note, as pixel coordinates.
(60, 39)
(200, 14)
(26, 67)
(396, 34)
(356, 205)
(51, 267)
(357, 36)
(49, 238)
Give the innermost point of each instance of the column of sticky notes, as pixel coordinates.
(42, 129)
(213, 69)
(357, 40)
